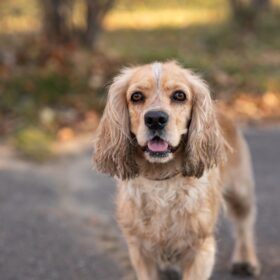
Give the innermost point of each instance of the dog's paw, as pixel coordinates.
(245, 269)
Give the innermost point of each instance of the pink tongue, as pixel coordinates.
(157, 146)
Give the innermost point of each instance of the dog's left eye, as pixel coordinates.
(137, 97)
(179, 96)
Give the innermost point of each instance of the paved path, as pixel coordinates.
(57, 223)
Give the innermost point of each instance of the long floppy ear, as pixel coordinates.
(205, 144)
(113, 145)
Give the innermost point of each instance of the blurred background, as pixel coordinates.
(57, 58)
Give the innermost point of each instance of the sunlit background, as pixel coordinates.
(56, 58)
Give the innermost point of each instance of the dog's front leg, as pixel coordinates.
(201, 266)
(144, 267)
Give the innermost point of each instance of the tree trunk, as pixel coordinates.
(246, 12)
(56, 23)
(57, 20)
(96, 10)
(261, 4)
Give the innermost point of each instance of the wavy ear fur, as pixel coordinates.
(113, 145)
(205, 144)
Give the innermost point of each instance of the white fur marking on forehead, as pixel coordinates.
(157, 68)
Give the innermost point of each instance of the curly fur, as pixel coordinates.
(113, 142)
(168, 209)
(205, 143)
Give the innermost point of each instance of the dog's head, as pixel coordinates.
(161, 111)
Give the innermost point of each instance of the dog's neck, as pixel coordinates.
(167, 177)
(159, 171)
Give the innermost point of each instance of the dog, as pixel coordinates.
(177, 159)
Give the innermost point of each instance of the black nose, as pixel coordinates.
(156, 119)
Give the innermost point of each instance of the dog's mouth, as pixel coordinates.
(158, 147)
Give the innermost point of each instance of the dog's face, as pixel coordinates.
(155, 109)
(159, 101)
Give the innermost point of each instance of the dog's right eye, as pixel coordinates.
(137, 97)
(179, 96)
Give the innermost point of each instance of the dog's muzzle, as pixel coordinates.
(156, 120)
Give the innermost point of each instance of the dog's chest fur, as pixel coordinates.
(167, 218)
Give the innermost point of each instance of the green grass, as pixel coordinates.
(249, 58)
(33, 143)
(24, 95)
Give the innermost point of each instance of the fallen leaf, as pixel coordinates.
(65, 134)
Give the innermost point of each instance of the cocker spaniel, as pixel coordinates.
(176, 159)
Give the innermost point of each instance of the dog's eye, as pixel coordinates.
(137, 97)
(179, 96)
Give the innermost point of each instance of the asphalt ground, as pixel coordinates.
(57, 219)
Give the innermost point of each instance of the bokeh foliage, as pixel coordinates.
(69, 81)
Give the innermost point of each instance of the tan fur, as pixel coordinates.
(168, 208)
(114, 146)
(205, 143)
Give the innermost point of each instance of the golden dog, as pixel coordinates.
(176, 159)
